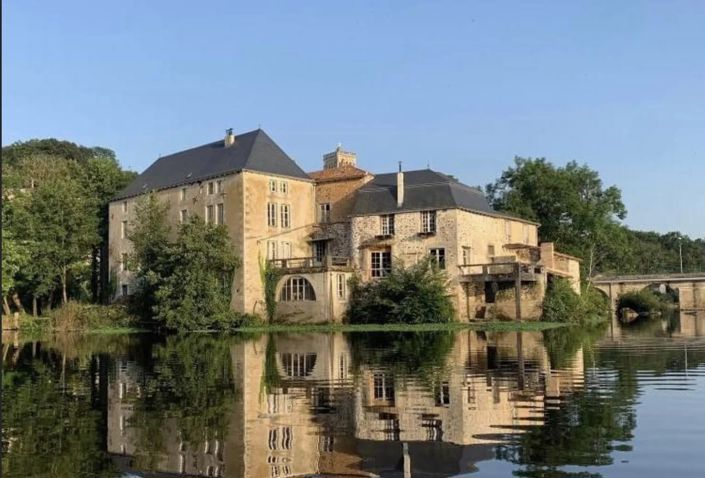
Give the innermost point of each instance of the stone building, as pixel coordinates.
(321, 228)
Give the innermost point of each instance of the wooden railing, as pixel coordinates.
(311, 262)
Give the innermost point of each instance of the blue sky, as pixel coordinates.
(463, 86)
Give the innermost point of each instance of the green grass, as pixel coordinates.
(485, 326)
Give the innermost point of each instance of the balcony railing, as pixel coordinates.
(327, 263)
(499, 271)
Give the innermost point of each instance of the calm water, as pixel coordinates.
(610, 402)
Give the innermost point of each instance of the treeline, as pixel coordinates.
(55, 223)
(584, 219)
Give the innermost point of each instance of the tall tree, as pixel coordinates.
(574, 209)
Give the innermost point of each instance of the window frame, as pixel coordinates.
(124, 206)
(378, 261)
(285, 216)
(271, 250)
(324, 209)
(210, 214)
(220, 213)
(284, 187)
(297, 289)
(386, 222)
(341, 286)
(183, 194)
(272, 214)
(467, 255)
(285, 249)
(428, 222)
(219, 186)
(438, 255)
(123, 229)
(211, 188)
(272, 185)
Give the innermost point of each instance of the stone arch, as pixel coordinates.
(295, 289)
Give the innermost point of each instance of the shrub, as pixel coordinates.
(642, 302)
(563, 304)
(412, 295)
(78, 316)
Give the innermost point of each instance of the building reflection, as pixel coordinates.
(316, 404)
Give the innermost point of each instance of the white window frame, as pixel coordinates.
(272, 185)
(124, 206)
(210, 214)
(377, 263)
(123, 229)
(219, 186)
(438, 254)
(211, 187)
(220, 213)
(271, 214)
(285, 250)
(467, 255)
(428, 222)
(324, 209)
(387, 224)
(284, 187)
(341, 287)
(297, 289)
(183, 194)
(271, 250)
(285, 212)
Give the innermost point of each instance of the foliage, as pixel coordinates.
(270, 275)
(407, 295)
(184, 284)
(80, 316)
(642, 302)
(271, 378)
(562, 343)
(563, 304)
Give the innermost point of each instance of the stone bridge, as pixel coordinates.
(689, 287)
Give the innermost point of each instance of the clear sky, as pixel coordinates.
(463, 86)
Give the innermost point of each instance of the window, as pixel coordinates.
(319, 250)
(123, 229)
(286, 250)
(507, 231)
(284, 187)
(271, 214)
(381, 263)
(428, 222)
(298, 364)
(211, 187)
(387, 222)
(219, 213)
(341, 286)
(124, 206)
(183, 216)
(272, 186)
(286, 217)
(324, 212)
(467, 255)
(209, 214)
(125, 290)
(383, 387)
(123, 261)
(183, 194)
(219, 186)
(297, 289)
(443, 397)
(490, 250)
(439, 257)
(271, 250)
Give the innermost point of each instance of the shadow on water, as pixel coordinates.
(358, 404)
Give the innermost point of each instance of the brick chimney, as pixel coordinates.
(229, 138)
(400, 187)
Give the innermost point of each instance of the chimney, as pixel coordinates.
(400, 187)
(229, 137)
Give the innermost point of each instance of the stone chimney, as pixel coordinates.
(400, 187)
(229, 138)
(339, 158)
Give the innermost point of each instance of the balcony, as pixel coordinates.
(499, 272)
(308, 265)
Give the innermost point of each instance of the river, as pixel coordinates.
(614, 401)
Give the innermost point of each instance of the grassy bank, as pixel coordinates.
(495, 326)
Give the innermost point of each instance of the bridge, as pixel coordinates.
(689, 287)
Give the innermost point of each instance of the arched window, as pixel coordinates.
(296, 289)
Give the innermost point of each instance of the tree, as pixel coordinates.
(196, 293)
(574, 209)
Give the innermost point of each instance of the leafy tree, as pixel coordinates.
(407, 295)
(574, 209)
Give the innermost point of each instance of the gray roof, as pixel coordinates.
(423, 190)
(253, 151)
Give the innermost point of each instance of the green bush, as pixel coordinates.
(79, 316)
(563, 304)
(642, 302)
(413, 295)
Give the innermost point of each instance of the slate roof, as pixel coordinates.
(253, 151)
(424, 189)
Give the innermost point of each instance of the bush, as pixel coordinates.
(563, 304)
(417, 294)
(642, 302)
(78, 316)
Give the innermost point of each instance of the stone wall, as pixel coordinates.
(329, 306)
(340, 194)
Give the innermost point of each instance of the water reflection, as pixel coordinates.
(564, 402)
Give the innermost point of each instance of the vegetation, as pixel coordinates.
(494, 326)
(563, 304)
(408, 295)
(183, 284)
(270, 276)
(644, 301)
(55, 211)
(583, 218)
